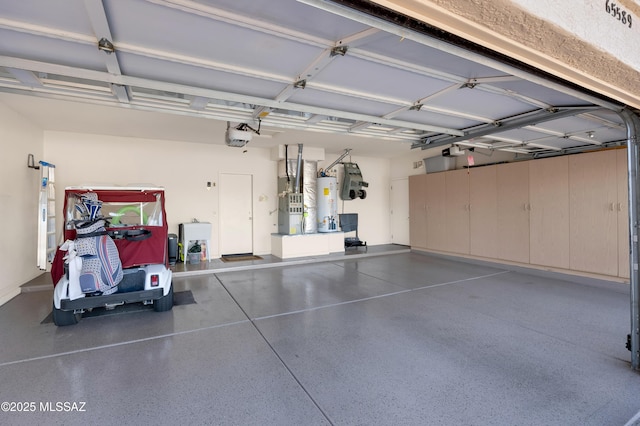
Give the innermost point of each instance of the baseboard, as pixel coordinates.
(547, 272)
(9, 294)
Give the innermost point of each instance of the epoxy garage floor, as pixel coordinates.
(391, 340)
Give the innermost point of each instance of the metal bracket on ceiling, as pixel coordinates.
(106, 46)
(339, 50)
(421, 143)
(416, 107)
(300, 84)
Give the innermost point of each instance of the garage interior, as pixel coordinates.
(465, 328)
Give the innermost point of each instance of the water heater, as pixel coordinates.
(327, 204)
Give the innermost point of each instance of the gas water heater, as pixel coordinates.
(327, 198)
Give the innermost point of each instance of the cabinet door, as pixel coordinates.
(549, 214)
(593, 189)
(418, 211)
(623, 214)
(436, 212)
(457, 206)
(513, 213)
(483, 214)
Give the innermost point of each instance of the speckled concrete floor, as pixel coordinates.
(391, 340)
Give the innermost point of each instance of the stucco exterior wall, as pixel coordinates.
(575, 40)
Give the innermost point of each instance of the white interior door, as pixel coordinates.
(236, 213)
(400, 211)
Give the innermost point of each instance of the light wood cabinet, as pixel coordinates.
(418, 211)
(623, 214)
(483, 215)
(436, 211)
(568, 212)
(593, 198)
(457, 211)
(513, 211)
(549, 214)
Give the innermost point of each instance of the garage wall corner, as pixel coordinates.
(18, 201)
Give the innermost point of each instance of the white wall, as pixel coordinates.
(19, 186)
(182, 168)
(185, 168)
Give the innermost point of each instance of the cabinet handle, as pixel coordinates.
(611, 206)
(619, 207)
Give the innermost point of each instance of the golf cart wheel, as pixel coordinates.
(62, 318)
(165, 303)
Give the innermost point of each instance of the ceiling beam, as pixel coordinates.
(461, 52)
(417, 105)
(510, 123)
(48, 32)
(121, 93)
(315, 119)
(260, 112)
(323, 59)
(198, 103)
(28, 78)
(421, 103)
(221, 15)
(555, 134)
(100, 25)
(212, 94)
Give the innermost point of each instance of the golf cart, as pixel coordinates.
(115, 252)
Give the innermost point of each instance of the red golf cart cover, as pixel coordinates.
(152, 250)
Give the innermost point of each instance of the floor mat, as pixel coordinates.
(239, 257)
(179, 298)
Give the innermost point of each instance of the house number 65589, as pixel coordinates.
(621, 15)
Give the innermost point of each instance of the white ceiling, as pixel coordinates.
(182, 68)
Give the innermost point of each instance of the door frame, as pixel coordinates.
(220, 215)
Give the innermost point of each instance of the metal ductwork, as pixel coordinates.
(299, 169)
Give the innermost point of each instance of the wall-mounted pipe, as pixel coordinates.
(298, 169)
